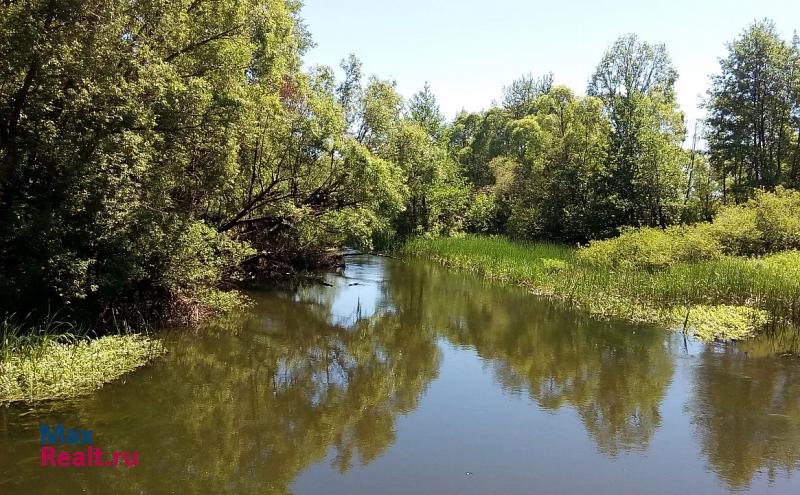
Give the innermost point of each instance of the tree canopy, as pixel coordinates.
(154, 154)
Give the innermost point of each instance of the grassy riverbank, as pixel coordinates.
(726, 298)
(52, 360)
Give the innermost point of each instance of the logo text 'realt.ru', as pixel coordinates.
(90, 457)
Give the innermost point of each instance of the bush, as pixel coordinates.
(778, 219)
(481, 214)
(202, 259)
(768, 223)
(651, 248)
(735, 229)
(522, 222)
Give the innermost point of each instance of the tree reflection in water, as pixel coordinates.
(612, 374)
(322, 373)
(746, 411)
(246, 411)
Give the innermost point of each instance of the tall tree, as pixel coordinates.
(147, 148)
(379, 113)
(752, 102)
(116, 119)
(561, 153)
(521, 94)
(642, 182)
(424, 110)
(793, 173)
(349, 91)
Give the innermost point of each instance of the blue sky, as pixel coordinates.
(468, 50)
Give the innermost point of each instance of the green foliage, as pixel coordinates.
(701, 202)
(203, 257)
(493, 256)
(651, 247)
(561, 148)
(424, 110)
(60, 370)
(778, 219)
(521, 95)
(118, 123)
(55, 360)
(768, 223)
(475, 140)
(727, 298)
(643, 180)
(165, 151)
(754, 135)
(735, 228)
(587, 166)
(722, 322)
(148, 149)
(436, 194)
(481, 214)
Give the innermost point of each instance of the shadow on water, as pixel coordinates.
(314, 383)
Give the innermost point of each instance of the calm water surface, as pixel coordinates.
(408, 379)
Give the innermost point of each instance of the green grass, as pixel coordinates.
(55, 360)
(726, 298)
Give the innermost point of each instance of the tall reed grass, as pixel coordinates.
(726, 298)
(52, 359)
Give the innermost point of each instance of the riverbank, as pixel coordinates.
(48, 362)
(730, 298)
(54, 360)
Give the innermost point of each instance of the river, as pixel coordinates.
(407, 378)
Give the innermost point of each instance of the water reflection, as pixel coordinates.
(746, 411)
(246, 413)
(323, 373)
(615, 376)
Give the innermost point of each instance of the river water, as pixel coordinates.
(406, 378)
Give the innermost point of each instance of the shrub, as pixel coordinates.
(735, 229)
(481, 213)
(200, 262)
(522, 222)
(651, 248)
(696, 244)
(768, 223)
(777, 218)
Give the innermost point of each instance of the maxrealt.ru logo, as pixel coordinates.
(92, 456)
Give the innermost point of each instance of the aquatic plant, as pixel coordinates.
(53, 359)
(725, 298)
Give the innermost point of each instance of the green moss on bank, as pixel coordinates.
(726, 299)
(49, 369)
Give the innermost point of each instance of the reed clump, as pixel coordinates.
(718, 298)
(52, 359)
